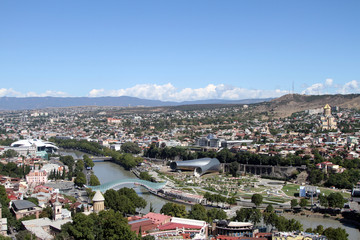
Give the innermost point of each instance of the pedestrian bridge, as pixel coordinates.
(154, 187)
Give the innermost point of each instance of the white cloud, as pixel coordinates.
(49, 93)
(321, 88)
(314, 89)
(168, 92)
(350, 87)
(9, 92)
(329, 82)
(318, 88)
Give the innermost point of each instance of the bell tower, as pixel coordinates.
(57, 209)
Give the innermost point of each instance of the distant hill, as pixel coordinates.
(29, 103)
(291, 103)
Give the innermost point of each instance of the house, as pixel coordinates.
(36, 177)
(44, 228)
(22, 208)
(157, 218)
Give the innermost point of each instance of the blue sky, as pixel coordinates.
(179, 50)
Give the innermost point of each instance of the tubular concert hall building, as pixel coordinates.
(199, 166)
(33, 147)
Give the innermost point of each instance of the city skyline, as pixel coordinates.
(177, 51)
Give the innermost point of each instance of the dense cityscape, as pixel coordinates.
(221, 172)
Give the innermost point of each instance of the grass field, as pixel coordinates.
(275, 199)
(327, 191)
(291, 189)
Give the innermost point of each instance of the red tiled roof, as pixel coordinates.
(157, 218)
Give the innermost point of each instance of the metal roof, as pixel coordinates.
(23, 204)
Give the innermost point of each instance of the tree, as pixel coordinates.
(46, 213)
(88, 161)
(25, 235)
(111, 199)
(146, 176)
(233, 168)
(336, 234)
(174, 210)
(303, 202)
(130, 193)
(33, 200)
(215, 213)
(130, 147)
(80, 179)
(124, 200)
(94, 181)
(82, 227)
(105, 225)
(319, 229)
(115, 226)
(198, 212)
(248, 214)
(269, 208)
(283, 224)
(270, 218)
(257, 199)
(293, 203)
(151, 208)
(323, 201)
(79, 167)
(231, 200)
(10, 153)
(336, 200)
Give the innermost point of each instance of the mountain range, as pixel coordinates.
(30, 103)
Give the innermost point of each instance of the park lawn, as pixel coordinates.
(274, 199)
(257, 189)
(291, 189)
(245, 195)
(327, 191)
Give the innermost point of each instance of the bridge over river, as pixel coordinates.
(154, 187)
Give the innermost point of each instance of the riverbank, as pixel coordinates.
(312, 221)
(316, 215)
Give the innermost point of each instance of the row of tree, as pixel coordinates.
(93, 148)
(125, 158)
(344, 180)
(225, 156)
(219, 198)
(333, 200)
(55, 174)
(198, 212)
(13, 170)
(270, 218)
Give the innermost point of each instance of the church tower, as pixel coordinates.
(327, 110)
(98, 202)
(57, 209)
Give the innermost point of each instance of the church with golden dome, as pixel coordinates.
(328, 121)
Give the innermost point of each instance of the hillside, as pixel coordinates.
(290, 103)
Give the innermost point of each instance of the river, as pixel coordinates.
(108, 171)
